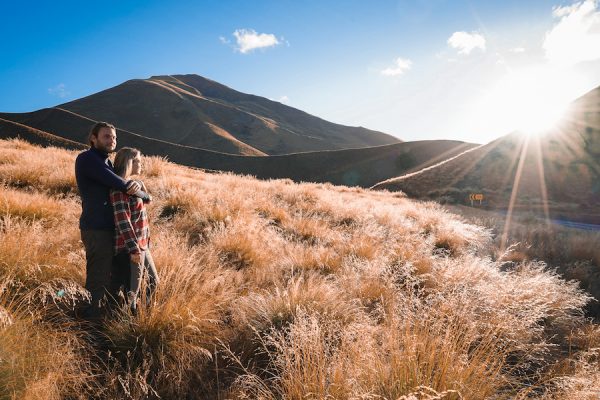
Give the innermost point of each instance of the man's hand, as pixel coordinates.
(147, 199)
(133, 186)
(136, 258)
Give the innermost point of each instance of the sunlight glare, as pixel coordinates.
(530, 100)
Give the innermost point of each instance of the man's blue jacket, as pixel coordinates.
(95, 177)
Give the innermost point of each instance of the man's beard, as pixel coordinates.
(105, 149)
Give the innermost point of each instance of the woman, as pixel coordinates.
(132, 241)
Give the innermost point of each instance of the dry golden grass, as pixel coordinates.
(37, 168)
(271, 290)
(574, 253)
(36, 206)
(39, 360)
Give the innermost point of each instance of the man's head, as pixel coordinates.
(103, 137)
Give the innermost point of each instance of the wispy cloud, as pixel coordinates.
(465, 42)
(401, 65)
(576, 35)
(248, 40)
(59, 90)
(283, 99)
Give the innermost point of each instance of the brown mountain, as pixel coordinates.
(198, 122)
(354, 167)
(559, 169)
(194, 111)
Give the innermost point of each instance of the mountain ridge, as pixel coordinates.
(354, 167)
(178, 109)
(198, 122)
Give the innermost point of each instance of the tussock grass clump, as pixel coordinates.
(271, 289)
(247, 247)
(278, 307)
(155, 167)
(31, 206)
(574, 253)
(577, 376)
(40, 360)
(49, 169)
(166, 349)
(304, 361)
(33, 253)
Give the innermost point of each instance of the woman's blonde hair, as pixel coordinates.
(123, 161)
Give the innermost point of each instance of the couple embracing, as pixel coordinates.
(114, 222)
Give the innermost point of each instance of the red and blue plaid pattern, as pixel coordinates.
(132, 232)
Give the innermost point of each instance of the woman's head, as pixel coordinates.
(128, 161)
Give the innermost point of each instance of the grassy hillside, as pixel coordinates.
(559, 169)
(271, 290)
(354, 167)
(10, 129)
(553, 171)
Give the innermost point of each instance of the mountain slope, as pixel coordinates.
(353, 167)
(560, 169)
(194, 111)
(11, 129)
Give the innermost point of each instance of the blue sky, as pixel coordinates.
(415, 69)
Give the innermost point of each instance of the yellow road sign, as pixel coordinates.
(476, 197)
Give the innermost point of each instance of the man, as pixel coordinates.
(95, 177)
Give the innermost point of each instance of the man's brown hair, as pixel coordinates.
(96, 128)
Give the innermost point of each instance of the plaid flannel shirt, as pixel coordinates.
(132, 233)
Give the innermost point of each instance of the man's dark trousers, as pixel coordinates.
(99, 263)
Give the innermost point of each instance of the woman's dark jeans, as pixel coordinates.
(130, 276)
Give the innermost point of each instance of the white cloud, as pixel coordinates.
(401, 66)
(249, 40)
(562, 11)
(465, 42)
(576, 36)
(283, 99)
(517, 50)
(59, 90)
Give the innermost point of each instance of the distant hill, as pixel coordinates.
(197, 122)
(10, 129)
(194, 111)
(352, 167)
(560, 168)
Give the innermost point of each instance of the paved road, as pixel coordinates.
(576, 225)
(564, 222)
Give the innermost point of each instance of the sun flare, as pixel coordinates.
(530, 100)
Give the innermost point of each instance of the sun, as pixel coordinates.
(531, 100)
